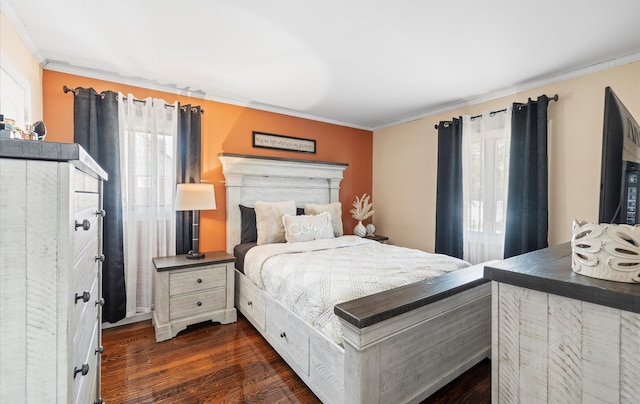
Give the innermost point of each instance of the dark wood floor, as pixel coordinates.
(212, 363)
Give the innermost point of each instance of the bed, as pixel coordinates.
(398, 345)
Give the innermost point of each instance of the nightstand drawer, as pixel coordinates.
(195, 280)
(196, 303)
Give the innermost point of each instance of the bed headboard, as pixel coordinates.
(254, 178)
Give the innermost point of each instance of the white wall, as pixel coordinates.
(405, 158)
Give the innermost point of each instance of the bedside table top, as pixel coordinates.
(377, 237)
(181, 261)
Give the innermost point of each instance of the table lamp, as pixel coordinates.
(195, 197)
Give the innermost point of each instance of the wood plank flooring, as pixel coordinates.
(213, 363)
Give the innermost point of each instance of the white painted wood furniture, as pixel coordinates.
(400, 346)
(560, 337)
(50, 264)
(190, 291)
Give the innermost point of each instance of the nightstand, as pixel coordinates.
(378, 238)
(190, 291)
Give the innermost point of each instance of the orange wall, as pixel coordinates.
(227, 128)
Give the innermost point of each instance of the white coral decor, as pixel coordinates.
(362, 208)
(606, 251)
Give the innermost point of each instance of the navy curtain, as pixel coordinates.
(527, 206)
(188, 168)
(449, 209)
(95, 120)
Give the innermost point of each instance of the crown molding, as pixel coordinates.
(64, 67)
(526, 86)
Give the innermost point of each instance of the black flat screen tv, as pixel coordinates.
(620, 171)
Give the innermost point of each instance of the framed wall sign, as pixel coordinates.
(280, 142)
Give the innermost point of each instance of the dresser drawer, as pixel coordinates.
(196, 303)
(198, 279)
(84, 386)
(83, 313)
(83, 182)
(85, 228)
(82, 338)
(285, 332)
(250, 301)
(85, 266)
(85, 201)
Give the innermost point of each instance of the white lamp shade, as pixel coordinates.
(195, 197)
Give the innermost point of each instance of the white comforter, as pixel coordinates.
(310, 278)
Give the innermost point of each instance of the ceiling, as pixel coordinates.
(362, 63)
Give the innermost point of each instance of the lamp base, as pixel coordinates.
(194, 255)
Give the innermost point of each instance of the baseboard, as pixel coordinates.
(129, 320)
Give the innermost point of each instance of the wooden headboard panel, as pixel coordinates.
(253, 178)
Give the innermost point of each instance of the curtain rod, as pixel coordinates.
(492, 113)
(75, 92)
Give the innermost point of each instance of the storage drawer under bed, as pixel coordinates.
(250, 301)
(288, 333)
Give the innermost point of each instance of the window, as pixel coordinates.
(485, 170)
(15, 95)
(148, 131)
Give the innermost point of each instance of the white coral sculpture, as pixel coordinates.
(362, 208)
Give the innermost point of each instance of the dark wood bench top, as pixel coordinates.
(378, 307)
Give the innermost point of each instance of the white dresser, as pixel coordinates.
(50, 266)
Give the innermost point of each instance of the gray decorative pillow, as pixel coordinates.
(307, 227)
(334, 209)
(269, 220)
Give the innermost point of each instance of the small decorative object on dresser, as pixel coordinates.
(361, 211)
(606, 251)
(192, 291)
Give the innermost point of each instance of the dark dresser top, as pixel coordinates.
(50, 151)
(549, 270)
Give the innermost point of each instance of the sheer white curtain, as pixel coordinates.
(148, 132)
(485, 183)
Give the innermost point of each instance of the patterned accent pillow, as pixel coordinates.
(269, 220)
(335, 209)
(307, 227)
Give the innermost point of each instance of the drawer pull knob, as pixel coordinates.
(101, 213)
(283, 335)
(199, 303)
(199, 280)
(86, 225)
(99, 350)
(100, 258)
(83, 370)
(100, 301)
(85, 296)
(249, 303)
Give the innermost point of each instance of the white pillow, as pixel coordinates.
(335, 209)
(269, 220)
(307, 227)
